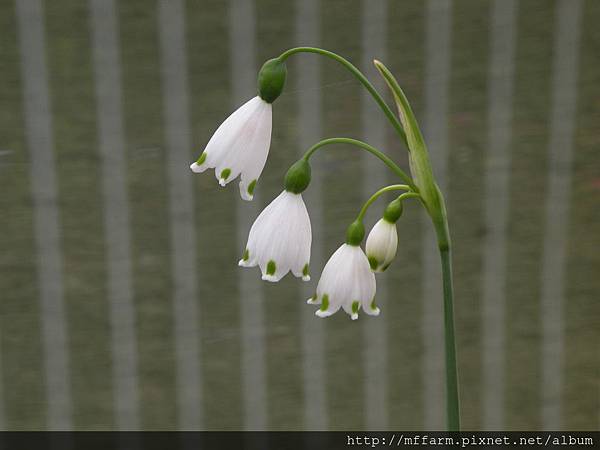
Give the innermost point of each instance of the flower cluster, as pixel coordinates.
(280, 238)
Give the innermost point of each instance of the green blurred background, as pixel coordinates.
(121, 302)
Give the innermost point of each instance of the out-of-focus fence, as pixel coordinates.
(121, 302)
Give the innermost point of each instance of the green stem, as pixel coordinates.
(408, 195)
(378, 153)
(452, 394)
(375, 196)
(359, 75)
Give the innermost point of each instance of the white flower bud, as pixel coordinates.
(382, 244)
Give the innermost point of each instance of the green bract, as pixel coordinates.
(420, 166)
(271, 79)
(297, 177)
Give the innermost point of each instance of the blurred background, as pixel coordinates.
(121, 302)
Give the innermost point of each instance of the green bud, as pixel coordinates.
(393, 211)
(355, 233)
(271, 79)
(297, 177)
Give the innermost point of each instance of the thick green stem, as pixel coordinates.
(452, 394)
(359, 75)
(378, 153)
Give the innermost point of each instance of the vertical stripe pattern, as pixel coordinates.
(183, 238)
(2, 413)
(243, 74)
(560, 155)
(107, 74)
(374, 15)
(310, 130)
(496, 205)
(54, 364)
(39, 136)
(437, 76)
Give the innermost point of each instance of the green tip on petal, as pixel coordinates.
(305, 270)
(271, 267)
(225, 174)
(246, 255)
(201, 159)
(251, 187)
(373, 305)
(325, 302)
(384, 268)
(355, 306)
(373, 262)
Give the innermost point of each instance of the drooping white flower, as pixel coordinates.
(382, 244)
(240, 146)
(346, 282)
(280, 239)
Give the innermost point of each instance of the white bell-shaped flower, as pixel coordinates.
(382, 245)
(346, 282)
(240, 146)
(280, 239)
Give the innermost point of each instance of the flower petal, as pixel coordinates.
(257, 152)
(279, 238)
(240, 144)
(220, 143)
(346, 282)
(251, 144)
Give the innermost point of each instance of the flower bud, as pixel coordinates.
(382, 244)
(271, 79)
(297, 177)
